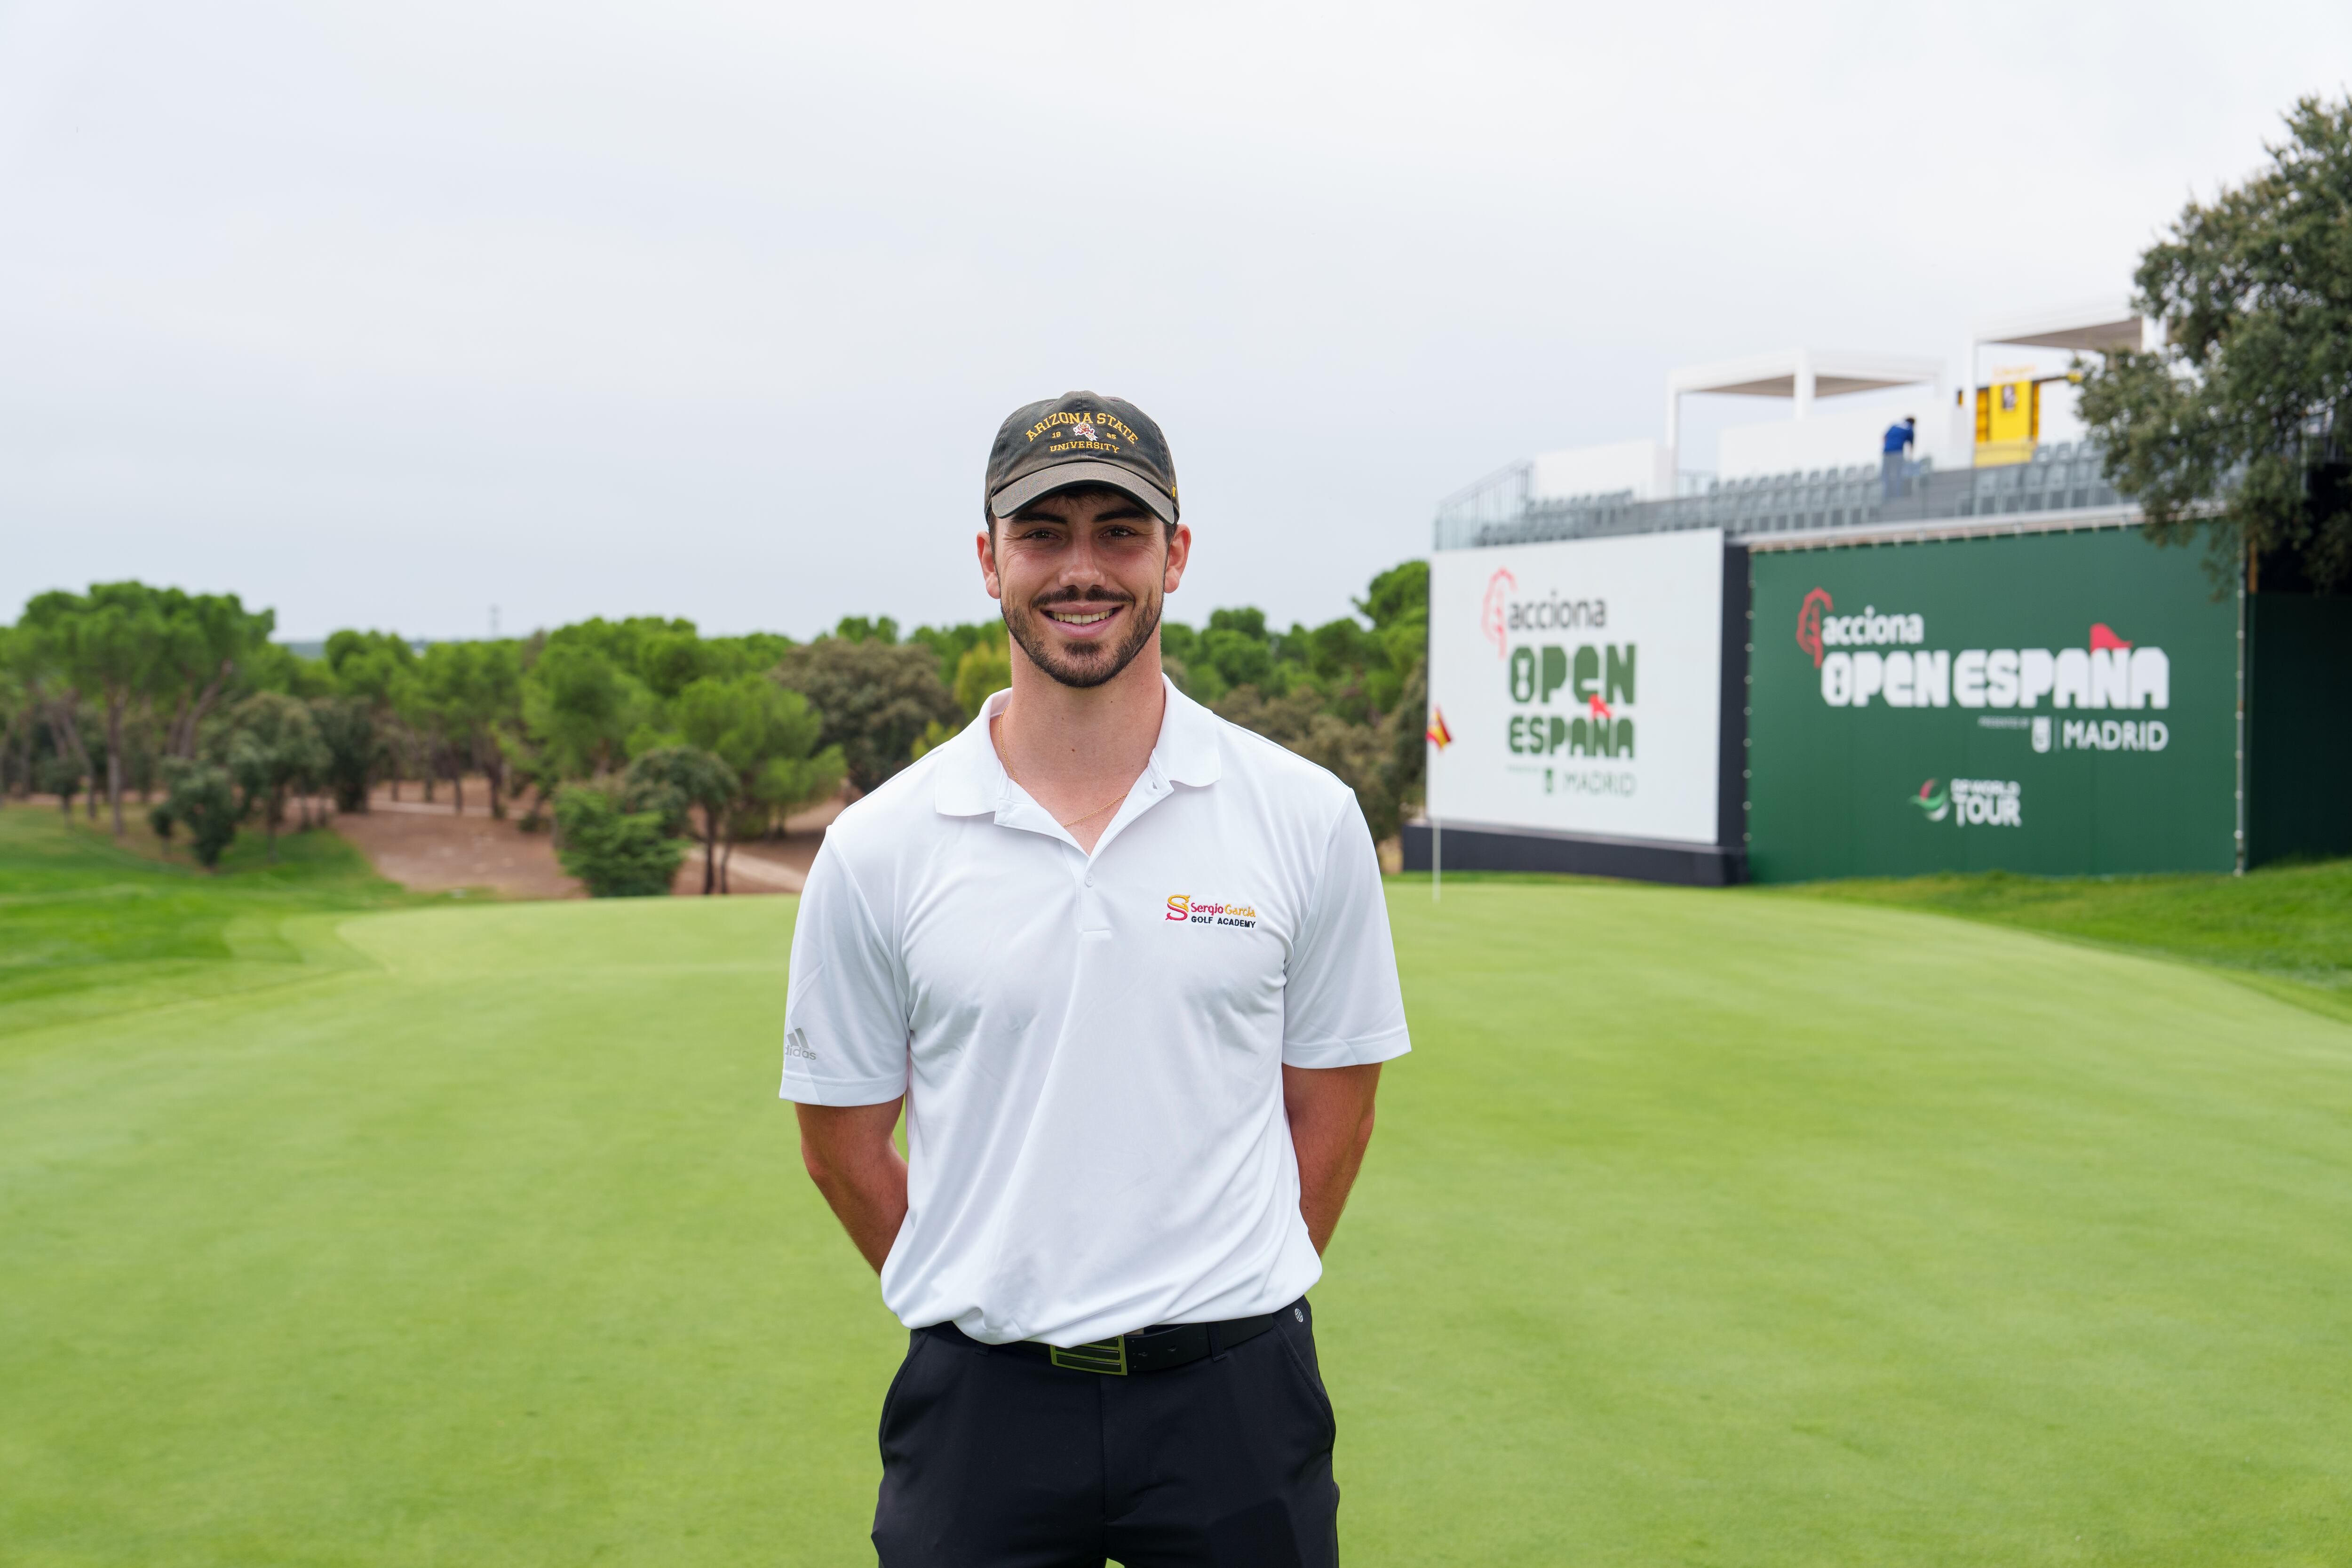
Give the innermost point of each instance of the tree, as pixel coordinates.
(2241, 423)
(17, 716)
(115, 642)
(274, 666)
(618, 853)
(462, 691)
(51, 627)
(369, 670)
(875, 699)
(669, 660)
(211, 636)
(273, 748)
(950, 644)
(673, 780)
(580, 706)
(982, 672)
(1236, 647)
(1397, 605)
(368, 664)
(767, 738)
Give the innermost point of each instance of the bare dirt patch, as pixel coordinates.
(432, 848)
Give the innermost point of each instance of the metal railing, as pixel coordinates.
(1501, 509)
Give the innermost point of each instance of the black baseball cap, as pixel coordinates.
(1079, 438)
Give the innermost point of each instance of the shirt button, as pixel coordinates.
(1090, 881)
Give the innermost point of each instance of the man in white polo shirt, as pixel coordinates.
(1128, 968)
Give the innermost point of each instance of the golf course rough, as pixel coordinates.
(1701, 1227)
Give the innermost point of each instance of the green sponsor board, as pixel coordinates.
(2061, 704)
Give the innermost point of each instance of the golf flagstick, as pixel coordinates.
(1439, 738)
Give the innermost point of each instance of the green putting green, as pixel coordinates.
(1701, 1228)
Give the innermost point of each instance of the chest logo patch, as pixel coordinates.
(1195, 911)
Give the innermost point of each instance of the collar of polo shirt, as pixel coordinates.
(972, 780)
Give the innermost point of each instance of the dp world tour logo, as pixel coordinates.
(1493, 608)
(1809, 625)
(1988, 802)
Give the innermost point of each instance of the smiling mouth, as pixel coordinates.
(1086, 616)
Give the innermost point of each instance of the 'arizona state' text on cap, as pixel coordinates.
(1080, 438)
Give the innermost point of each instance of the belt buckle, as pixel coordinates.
(1108, 1357)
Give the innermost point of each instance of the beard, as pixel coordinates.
(1090, 664)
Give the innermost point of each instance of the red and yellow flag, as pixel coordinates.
(1439, 735)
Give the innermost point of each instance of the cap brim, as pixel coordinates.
(1063, 476)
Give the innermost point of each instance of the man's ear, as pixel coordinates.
(1180, 552)
(986, 542)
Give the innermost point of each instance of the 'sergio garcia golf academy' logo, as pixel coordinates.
(1200, 912)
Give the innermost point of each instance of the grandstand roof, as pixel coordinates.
(1806, 374)
(2083, 326)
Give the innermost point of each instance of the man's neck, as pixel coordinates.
(1080, 749)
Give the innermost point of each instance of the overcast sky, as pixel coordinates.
(382, 315)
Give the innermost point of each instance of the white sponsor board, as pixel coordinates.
(1578, 685)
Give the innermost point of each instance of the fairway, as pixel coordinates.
(1701, 1227)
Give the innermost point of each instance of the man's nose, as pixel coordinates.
(1083, 565)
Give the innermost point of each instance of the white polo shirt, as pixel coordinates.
(1092, 1045)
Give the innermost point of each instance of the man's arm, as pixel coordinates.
(849, 1155)
(1331, 1114)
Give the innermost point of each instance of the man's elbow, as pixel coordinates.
(820, 1169)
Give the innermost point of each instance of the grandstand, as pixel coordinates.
(1503, 507)
(1647, 488)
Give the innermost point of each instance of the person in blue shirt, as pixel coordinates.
(1893, 470)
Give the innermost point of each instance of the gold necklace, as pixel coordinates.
(996, 738)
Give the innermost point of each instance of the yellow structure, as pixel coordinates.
(2009, 421)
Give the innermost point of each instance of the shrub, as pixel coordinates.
(273, 751)
(202, 799)
(346, 726)
(618, 854)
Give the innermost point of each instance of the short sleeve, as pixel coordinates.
(1341, 1005)
(845, 1007)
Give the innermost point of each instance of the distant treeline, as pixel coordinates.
(626, 734)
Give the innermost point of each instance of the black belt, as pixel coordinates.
(1146, 1350)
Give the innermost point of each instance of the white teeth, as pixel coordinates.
(1081, 620)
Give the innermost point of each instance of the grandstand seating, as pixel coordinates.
(1499, 510)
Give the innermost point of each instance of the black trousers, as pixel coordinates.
(994, 1460)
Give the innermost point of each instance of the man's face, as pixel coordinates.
(1082, 574)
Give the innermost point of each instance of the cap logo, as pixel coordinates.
(1083, 427)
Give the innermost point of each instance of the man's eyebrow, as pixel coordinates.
(1115, 514)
